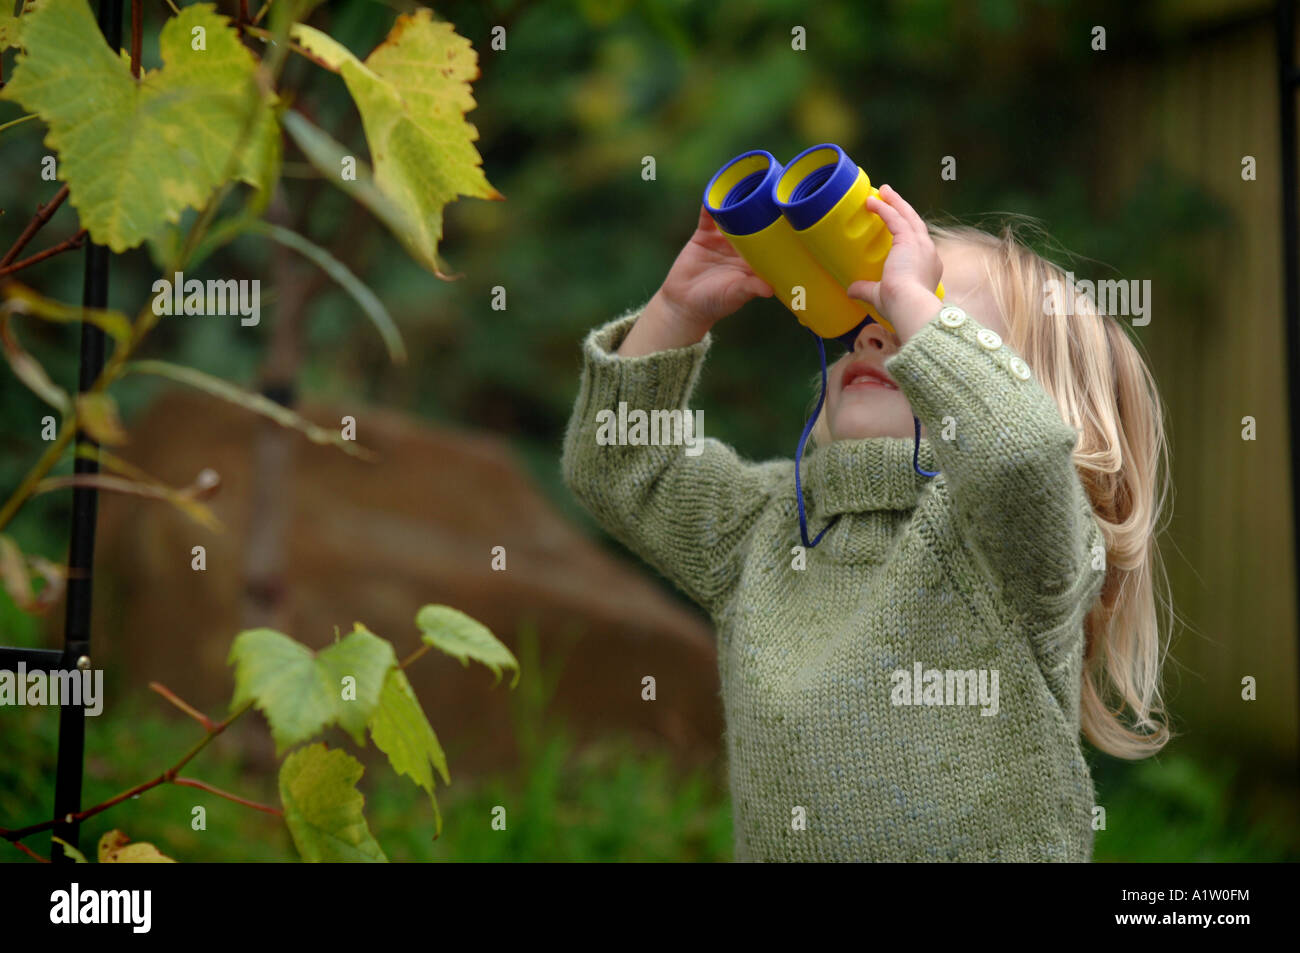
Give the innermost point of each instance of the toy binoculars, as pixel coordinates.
(805, 229)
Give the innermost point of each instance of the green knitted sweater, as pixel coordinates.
(988, 568)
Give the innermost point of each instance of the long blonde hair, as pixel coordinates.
(1087, 364)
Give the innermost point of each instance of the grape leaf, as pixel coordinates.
(97, 415)
(77, 856)
(323, 807)
(135, 154)
(301, 692)
(257, 403)
(115, 848)
(452, 631)
(413, 93)
(402, 731)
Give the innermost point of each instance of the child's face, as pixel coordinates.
(862, 400)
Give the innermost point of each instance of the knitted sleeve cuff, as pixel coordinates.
(977, 397)
(662, 380)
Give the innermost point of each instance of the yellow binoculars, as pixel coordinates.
(805, 229)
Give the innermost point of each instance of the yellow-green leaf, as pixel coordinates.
(401, 730)
(77, 856)
(452, 631)
(328, 158)
(29, 370)
(323, 807)
(135, 154)
(8, 32)
(249, 401)
(115, 848)
(302, 692)
(24, 300)
(413, 92)
(186, 499)
(16, 570)
(97, 414)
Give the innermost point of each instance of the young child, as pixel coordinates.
(913, 688)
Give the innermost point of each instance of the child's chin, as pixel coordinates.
(854, 427)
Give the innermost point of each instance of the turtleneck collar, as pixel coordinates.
(854, 476)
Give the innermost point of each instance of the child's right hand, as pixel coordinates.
(707, 282)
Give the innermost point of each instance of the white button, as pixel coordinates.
(1019, 368)
(951, 317)
(989, 339)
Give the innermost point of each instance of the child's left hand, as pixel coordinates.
(904, 295)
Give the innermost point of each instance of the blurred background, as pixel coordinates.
(1131, 159)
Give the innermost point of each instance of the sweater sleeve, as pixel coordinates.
(1006, 457)
(684, 509)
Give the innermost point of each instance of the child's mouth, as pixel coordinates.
(860, 376)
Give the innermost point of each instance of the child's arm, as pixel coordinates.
(685, 509)
(1009, 468)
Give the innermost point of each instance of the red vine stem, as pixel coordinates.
(43, 213)
(168, 776)
(204, 786)
(68, 244)
(29, 852)
(137, 35)
(207, 723)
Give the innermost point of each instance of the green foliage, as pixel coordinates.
(357, 684)
(414, 119)
(249, 401)
(1183, 809)
(323, 807)
(136, 154)
(402, 731)
(452, 631)
(301, 692)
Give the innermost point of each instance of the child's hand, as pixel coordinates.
(707, 282)
(904, 295)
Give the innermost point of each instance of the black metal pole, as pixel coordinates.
(1286, 94)
(81, 549)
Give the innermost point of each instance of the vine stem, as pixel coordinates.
(43, 214)
(204, 786)
(34, 476)
(167, 777)
(300, 50)
(207, 723)
(68, 244)
(29, 852)
(14, 122)
(137, 35)
(414, 655)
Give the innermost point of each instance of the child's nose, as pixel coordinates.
(874, 337)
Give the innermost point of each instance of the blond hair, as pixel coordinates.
(1103, 388)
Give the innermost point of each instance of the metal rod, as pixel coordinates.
(34, 660)
(81, 549)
